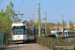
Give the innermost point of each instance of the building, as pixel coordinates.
(73, 26)
(67, 27)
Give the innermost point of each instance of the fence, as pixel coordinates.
(3, 39)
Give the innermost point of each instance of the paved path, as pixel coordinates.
(34, 46)
(15, 47)
(27, 46)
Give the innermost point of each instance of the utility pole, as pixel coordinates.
(32, 19)
(46, 22)
(62, 26)
(39, 22)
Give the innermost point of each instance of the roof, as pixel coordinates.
(18, 24)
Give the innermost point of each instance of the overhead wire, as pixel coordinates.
(29, 10)
(19, 10)
(28, 7)
(30, 14)
(42, 13)
(21, 5)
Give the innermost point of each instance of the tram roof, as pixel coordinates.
(64, 31)
(18, 24)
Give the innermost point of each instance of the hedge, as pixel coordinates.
(56, 44)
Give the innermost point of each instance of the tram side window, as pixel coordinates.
(70, 34)
(27, 31)
(31, 32)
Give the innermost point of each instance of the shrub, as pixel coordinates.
(50, 43)
(5, 26)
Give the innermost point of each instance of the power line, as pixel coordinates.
(34, 14)
(21, 5)
(30, 17)
(30, 14)
(26, 11)
(29, 10)
(43, 13)
(28, 7)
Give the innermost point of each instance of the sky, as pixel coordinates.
(54, 8)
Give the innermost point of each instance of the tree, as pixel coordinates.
(52, 26)
(63, 24)
(71, 25)
(5, 22)
(42, 24)
(11, 13)
(48, 27)
(6, 19)
(58, 24)
(27, 23)
(1, 25)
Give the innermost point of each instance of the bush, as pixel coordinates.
(5, 26)
(50, 43)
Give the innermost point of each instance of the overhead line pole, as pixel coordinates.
(46, 22)
(63, 25)
(33, 20)
(39, 22)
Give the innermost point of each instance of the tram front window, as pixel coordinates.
(18, 32)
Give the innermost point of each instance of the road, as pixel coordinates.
(26, 46)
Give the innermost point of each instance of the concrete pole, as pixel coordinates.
(39, 22)
(46, 22)
(32, 19)
(62, 26)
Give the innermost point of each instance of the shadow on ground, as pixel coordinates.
(28, 42)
